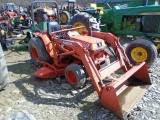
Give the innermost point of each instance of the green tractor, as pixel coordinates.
(23, 19)
(141, 22)
(130, 3)
(67, 11)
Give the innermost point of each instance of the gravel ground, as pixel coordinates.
(55, 99)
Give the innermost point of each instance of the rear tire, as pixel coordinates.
(38, 51)
(4, 76)
(75, 75)
(84, 19)
(140, 51)
(65, 17)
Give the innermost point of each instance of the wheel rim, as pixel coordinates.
(63, 18)
(158, 46)
(34, 53)
(71, 77)
(139, 54)
(78, 24)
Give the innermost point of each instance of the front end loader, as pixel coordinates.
(140, 22)
(79, 57)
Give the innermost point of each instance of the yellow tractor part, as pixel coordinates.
(139, 54)
(93, 6)
(63, 18)
(21, 17)
(101, 10)
(78, 24)
(2, 32)
(158, 46)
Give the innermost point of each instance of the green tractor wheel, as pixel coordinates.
(140, 51)
(84, 19)
(65, 17)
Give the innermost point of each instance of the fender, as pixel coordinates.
(28, 33)
(47, 43)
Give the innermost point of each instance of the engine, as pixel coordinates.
(131, 23)
(142, 23)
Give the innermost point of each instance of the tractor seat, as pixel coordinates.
(52, 26)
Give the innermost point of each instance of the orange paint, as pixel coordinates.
(114, 95)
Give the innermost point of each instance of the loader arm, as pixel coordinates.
(114, 42)
(119, 96)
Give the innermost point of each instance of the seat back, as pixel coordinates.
(52, 26)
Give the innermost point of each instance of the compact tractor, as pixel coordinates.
(81, 56)
(23, 20)
(78, 57)
(141, 22)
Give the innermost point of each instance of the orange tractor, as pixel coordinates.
(78, 57)
(9, 14)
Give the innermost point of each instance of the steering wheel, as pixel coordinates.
(107, 3)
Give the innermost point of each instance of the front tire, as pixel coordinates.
(75, 75)
(38, 51)
(140, 51)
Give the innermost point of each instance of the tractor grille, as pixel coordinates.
(151, 24)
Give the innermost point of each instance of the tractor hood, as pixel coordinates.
(89, 42)
(86, 39)
(141, 10)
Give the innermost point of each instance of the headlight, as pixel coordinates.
(98, 45)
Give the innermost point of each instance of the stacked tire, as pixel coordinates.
(4, 76)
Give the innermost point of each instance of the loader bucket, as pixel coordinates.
(122, 95)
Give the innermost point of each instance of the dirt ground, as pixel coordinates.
(48, 100)
(44, 99)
